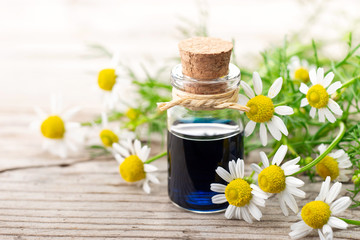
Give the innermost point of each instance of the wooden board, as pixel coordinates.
(42, 197)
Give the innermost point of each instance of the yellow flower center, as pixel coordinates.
(316, 214)
(238, 192)
(108, 137)
(261, 109)
(302, 74)
(132, 169)
(328, 166)
(53, 127)
(107, 79)
(317, 96)
(272, 179)
(132, 114)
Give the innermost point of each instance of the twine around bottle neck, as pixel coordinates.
(226, 100)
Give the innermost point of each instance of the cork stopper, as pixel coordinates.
(205, 58)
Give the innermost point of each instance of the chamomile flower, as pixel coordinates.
(318, 95)
(241, 196)
(262, 109)
(299, 69)
(133, 167)
(60, 135)
(334, 165)
(110, 135)
(117, 92)
(319, 214)
(276, 179)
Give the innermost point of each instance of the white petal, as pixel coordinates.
(329, 115)
(238, 213)
(39, 112)
(320, 75)
(137, 147)
(338, 153)
(296, 192)
(280, 124)
(304, 102)
(294, 182)
(282, 205)
(312, 112)
(243, 100)
(299, 226)
(256, 168)
(328, 79)
(255, 212)
(333, 192)
(312, 75)
(274, 130)
(217, 187)
(219, 199)
(123, 152)
(324, 189)
(275, 88)
(337, 223)
(334, 107)
(321, 235)
(230, 211)
(224, 174)
(303, 88)
(241, 167)
(322, 147)
(257, 83)
(279, 155)
(152, 178)
(328, 233)
(104, 119)
(146, 187)
(264, 159)
(118, 158)
(232, 168)
(245, 215)
(247, 89)
(258, 201)
(345, 164)
(290, 201)
(150, 168)
(284, 110)
(333, 87)
(340, 205)
(249, 128)
(263, 134)
(290, 163)
(321, 115)
(258, 192)
(289, 170)
(299, 234)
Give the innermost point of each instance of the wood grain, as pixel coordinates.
(42, 197)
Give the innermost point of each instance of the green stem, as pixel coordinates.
(156, 157)
(353, 222)
(331, 146)
(351, 81)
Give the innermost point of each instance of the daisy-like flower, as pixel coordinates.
(319, 214)
(133, 167)
(318, 95)
(109, 135)
(117, 93)
(241, 196)
(276, 179)
(262, 109)
(334, 165)
(299, 69)
(60, 135)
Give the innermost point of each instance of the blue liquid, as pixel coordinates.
(195, 150)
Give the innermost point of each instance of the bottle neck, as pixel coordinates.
(184, 83)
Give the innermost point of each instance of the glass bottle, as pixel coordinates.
(199, 141)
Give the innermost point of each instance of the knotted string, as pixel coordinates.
(204, 102)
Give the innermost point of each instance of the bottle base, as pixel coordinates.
(199, 211)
